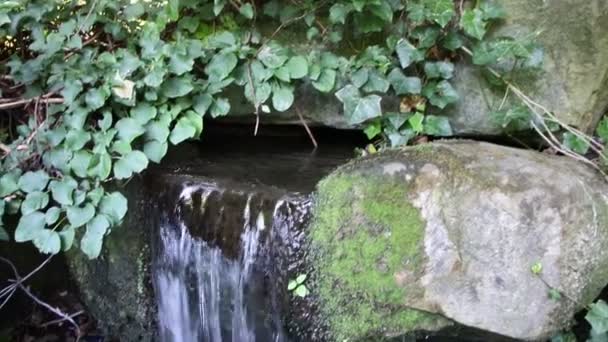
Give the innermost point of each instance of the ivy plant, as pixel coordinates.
(94, 91)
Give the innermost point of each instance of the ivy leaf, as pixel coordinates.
(158, 131)
(298, 67)
(404, 85)
(602, 129)
(8, 184)
(598, 317)
(47, 241)
(416, 122)
(437, 126)
(29, 226)
(70, 90)
(155, 150)
(220, 107)
(62, 190)
(349, 96)
(282, 98)
(376, 83)
(202, 103)
(92, 239)
(33, 181)
(491, 10)
(443, 70)
(95, 98)
(575, 144)
(129, 129)
(246, 10)
(326, 81)
(114, 206)
(67, 238)
(452, 41)
(338, 13)
(80, 163)
(473, 23)
(360, 77)
(440, 94)
(262, 93)
(183, 130)
(177, 87)
(79, 216)
(220, 66)
(133, 162)
(273, 55)
(372, 130)
(439, 11)
(34, 201)
(76, 139)
(407, 53)
(143, 113)
(367, 108)
(52, 215)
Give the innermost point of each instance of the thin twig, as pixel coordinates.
(312, 137)
(60, 320)
(19, 103)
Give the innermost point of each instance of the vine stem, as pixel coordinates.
(535, 107)
(310, 135)
(19, 103)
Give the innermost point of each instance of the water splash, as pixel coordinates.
(204, 296)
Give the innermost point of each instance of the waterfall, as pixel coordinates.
(206, 292)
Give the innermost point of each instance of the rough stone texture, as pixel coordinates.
(574, 83)
(116, 287)
(452, 229)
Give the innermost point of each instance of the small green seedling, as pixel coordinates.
(537, 268)
(297, 286)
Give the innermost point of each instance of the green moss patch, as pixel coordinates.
(365, 232)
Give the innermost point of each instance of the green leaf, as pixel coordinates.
(29, 226)
(100, 166)
(443, 70)
(401, 137)
(114, 206)
(177, 87)
(367, 108)
(155, 151)
(301, 278)
(183, 130)
(437, 126)
(376, 83)
(220, 66)
(602, 129)
(246, 10)
(292, 285)
(491, 10)
(452, 41)
(95, 98)
(8, 184)
(273, 55)
(426, 36)
(79, 216)
(80, 163)
(439, 11)
(262, 93)
(33, 181)
(52, 215)
(70, 90)
(3, 234)
(129, 129)
(47, 241)
(76, 139)
(473, 23)
(349, 96)
(202, 103)
(143, 113)
(326, 81)
(133, 162)
(575, 144)
(301, 291)
(404, 85)
(598, 317)
(282, 98)
(92, 239)
(440, 94)
(373, 129)
(62, 190)
(416, 122)
(407, 53)
(34, 201)
(67, 238)
(338, 13)
(220, 107)
(360, 77)
(298, 67)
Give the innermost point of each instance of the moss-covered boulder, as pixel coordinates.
(446, 233)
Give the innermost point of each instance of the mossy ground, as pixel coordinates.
(364, 233)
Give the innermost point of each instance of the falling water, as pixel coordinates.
(202, 294)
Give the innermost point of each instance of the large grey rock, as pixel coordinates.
(424, 237)
(574, 81)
